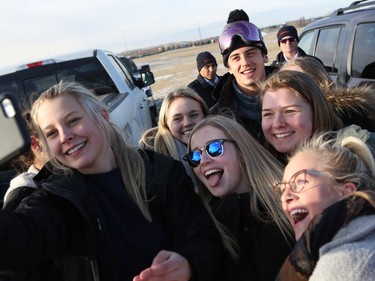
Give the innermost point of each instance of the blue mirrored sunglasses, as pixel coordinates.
(213, 149)
(244, 29)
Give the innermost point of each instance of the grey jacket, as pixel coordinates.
(350, 255)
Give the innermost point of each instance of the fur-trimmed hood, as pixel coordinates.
(355, 105)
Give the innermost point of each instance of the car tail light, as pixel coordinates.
(35, 64)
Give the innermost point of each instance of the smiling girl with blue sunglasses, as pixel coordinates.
(236, 176)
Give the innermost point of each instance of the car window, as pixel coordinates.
(363, 58)
(306, 43)
(327, 46)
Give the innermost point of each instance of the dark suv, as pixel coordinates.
(345, 42)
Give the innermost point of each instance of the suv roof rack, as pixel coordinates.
(357, 5)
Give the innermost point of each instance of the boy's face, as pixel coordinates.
(247, 66)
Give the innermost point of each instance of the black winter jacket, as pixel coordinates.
(203, 89)
(62, 224)
(263, 247)
(280, 59)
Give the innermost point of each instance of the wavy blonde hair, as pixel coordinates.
(345, 159)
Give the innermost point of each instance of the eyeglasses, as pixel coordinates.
(297, 182)
(244, 29)
(290, 40)
(213, 149)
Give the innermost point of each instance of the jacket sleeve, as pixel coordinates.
(187, 221)
(33, 233)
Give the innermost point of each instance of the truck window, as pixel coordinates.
(363, 58)
(126, 76)
(327, 46)
(87, 71)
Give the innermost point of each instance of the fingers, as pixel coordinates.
(166, 266)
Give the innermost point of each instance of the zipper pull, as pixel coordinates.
(99, 225)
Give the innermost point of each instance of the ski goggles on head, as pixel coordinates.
(213, 149)
(248, 32)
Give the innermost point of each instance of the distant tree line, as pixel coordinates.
(178, 45)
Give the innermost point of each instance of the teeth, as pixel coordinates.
(71, 151)
(248, 71)
(186, 132)
(298, 215)
(279, 136)
(298, 211)
(210, 172)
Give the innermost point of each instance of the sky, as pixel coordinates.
(39, 29)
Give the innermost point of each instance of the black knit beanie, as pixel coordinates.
(288, 30)
(205, 58)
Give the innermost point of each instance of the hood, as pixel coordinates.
(360, 99)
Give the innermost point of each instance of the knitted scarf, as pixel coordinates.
(249, 106)
(300, 264)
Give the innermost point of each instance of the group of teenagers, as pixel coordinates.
(276, 181)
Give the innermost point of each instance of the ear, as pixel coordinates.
(228, 68)
(265, 59)
(105, 115)
(35, 146)
(349, 188)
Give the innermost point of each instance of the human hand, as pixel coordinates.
(166, 266)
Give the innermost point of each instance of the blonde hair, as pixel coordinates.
(346, 159)
(260, 169)
(128, 159)
(160, 138)
(313, 67)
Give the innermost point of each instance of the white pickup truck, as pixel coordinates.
(99, 70)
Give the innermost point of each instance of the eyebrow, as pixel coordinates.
(180, 114)
(284, 107)
(65, 117)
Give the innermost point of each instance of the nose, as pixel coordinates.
(288, 196)
(278, 121)
(66, 135)
(205, 158)
(188, 122)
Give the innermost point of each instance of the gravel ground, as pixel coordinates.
(177, 68)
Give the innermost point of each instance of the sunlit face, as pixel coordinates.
(247, 66)
(288, 48)
(183, 114)
(73, 138)
(318, 192)
(208, 71)
(287, 119)
(221, 175)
